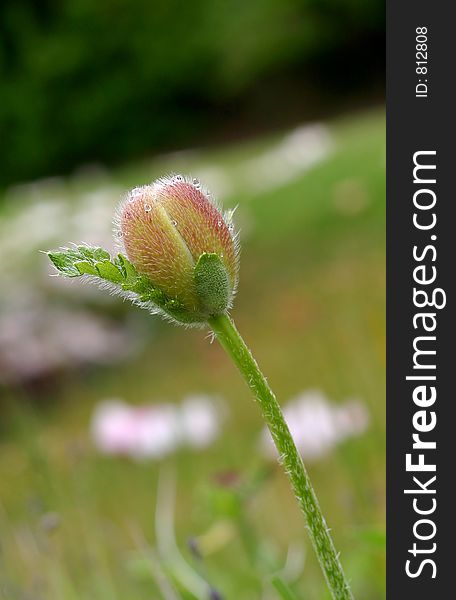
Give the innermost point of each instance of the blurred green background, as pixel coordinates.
(277, 107)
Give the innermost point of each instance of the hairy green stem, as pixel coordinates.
(232, 342)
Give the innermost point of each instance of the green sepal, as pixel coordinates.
(212, 284)
(171, 306)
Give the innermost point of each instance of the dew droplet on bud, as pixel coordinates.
(147, 207)
(135, 192)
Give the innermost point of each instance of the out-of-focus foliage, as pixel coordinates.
(112, 79)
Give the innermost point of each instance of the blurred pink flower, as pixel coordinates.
(318, 425)
(156, 430)
(200, 421)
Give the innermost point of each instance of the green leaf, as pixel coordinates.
(85, 268)
(97, 263)
(94, 261)
(212, 284)
(106, 270)
(126, 267)
(64, 261)
(93, 253)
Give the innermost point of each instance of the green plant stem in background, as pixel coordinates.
(232, 342)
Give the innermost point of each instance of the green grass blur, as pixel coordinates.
(311, 305)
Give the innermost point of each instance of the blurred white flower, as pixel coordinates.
(215, 178)
(39, 336)
(296, 153)
(154, 431)
(318, 425)
(35, 341)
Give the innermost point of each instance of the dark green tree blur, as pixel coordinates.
(110, 80)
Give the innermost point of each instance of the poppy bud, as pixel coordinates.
(174, 235)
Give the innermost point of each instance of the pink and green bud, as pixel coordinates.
(178, 239)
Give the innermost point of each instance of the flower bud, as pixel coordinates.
(174, 235)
